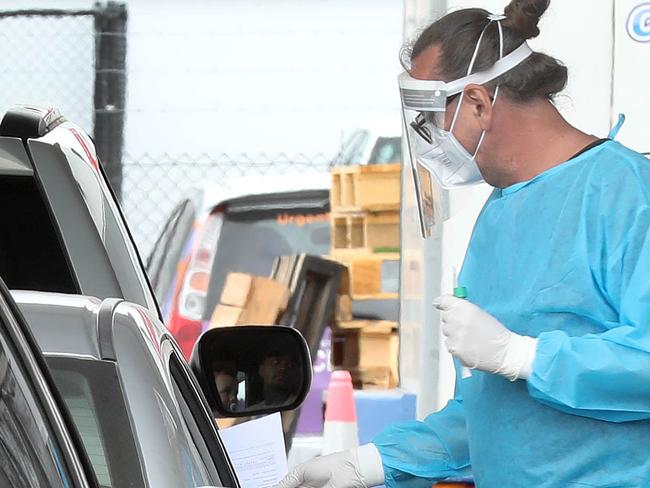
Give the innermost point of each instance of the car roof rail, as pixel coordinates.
(105, 328)
(30, 121)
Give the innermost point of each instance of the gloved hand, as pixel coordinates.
(355, 468)
(480, 341)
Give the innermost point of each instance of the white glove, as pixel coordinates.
(360, 467)
(480, 341)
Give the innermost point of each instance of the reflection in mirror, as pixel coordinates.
(226, 380)
(278, 375)
(254, 369)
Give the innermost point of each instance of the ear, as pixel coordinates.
(480, 99)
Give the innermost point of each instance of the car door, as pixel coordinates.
(197, 423)
(38, 446)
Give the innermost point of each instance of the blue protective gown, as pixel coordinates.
(564, 257)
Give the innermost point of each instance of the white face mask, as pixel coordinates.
(449, 162)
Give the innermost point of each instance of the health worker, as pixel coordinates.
(556, 325)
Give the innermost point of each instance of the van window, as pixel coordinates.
(161, 265)
(31, 255)
(250, 242)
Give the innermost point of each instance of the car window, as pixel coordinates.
(31, 255)
(80, 403)
(161, 265)
(386, 150)
(352, 150)
(200, 464)
(92, 394)
(250, 244)
(30, 455)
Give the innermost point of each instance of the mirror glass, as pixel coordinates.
(255, 372)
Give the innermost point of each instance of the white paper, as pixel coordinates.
(256, 449)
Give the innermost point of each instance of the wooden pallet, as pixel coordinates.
(367, 187)
(370, 275)
(369, 350)
(365, 231)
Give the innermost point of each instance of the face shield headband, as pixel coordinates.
(435, 154)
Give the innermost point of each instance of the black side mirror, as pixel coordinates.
(252, 369)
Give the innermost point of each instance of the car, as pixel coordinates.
(216, 231)
(74, 410)
(96, 393)
(365, 146)
(62, 228)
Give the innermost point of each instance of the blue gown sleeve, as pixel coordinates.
(416, 454)
(606, 376)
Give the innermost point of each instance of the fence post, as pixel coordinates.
(110, 89)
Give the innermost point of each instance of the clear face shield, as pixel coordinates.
(437, 159)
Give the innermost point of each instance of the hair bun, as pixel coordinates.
(523, 16)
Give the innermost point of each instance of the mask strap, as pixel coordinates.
(469, 72)
(496, 90)
(498, 20)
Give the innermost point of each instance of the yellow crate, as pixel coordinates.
(368, 187)
(374, 275)
(369, 350)
(367, 231)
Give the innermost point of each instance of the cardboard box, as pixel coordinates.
(236, 289)
(267, 299)
(247, 299)
(225, 316)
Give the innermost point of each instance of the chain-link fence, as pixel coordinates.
(156, 85)
(48, 58)
(74, 59)
(153, 185)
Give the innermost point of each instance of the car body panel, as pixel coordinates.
(87, 220)
(141, 344)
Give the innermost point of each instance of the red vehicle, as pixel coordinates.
(214, 233)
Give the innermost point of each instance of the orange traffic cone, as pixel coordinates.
(340, 431)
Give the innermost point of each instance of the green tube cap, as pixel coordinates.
(460, 292)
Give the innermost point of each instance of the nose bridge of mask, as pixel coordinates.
(470, 68)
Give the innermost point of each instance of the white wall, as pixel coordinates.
(632, 76)
(253, 76)
(244, 76)
(259, 76)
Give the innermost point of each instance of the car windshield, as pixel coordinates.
(386, 150)
(249, 242)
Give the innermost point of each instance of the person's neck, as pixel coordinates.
(540, 140)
